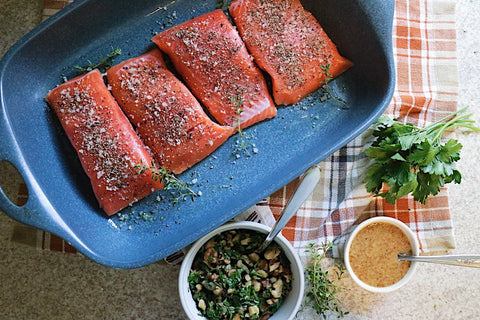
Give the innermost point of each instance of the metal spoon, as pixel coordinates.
(303, 191)
(463, 260)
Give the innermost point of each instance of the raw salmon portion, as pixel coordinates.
(105, 141)
(212, 59)
(289, 44)
(167, 117)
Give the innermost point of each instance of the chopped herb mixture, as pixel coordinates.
(228, 280)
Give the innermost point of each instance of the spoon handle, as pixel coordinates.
(457, 260)
(303, 191)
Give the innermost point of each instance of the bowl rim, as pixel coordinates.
(413, 242)
(186, 299)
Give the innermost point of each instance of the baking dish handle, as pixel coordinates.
(37, 211)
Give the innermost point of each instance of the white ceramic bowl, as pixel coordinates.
(289, 306)
(413, 242)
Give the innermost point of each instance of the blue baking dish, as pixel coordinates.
(60, 197)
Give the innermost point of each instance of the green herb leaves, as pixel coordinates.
(412, 160)
(180, 190)
(222, 4)
(322, 288)
(241, 143)
(326, 88)
(104, 63)
(230, 281)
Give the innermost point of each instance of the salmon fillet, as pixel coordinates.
(166, 115)
(211, 57)
(289, 44)
(104, 140)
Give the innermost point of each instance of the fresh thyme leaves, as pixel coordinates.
(180, 189)
(414, 160)
(222, 4)
(241, 143)
(322, 289)
(326, 88)
(104, 63)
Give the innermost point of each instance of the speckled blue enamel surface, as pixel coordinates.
(60, 197)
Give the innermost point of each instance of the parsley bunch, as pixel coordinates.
(414, 160)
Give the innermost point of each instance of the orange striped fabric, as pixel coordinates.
(425, 45)
(50, 7)
(424, 41)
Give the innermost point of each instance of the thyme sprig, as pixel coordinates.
(241, 144)
(323, 289)
(180, 190)
(222, 4)
(326, 87)
(103, 64)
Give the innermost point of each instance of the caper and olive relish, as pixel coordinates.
(229, 280)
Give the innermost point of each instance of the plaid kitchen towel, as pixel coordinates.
(424, 39)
